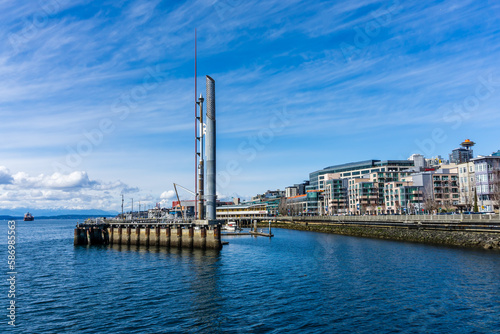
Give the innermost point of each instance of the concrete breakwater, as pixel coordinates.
(149, 235)
(483, 240)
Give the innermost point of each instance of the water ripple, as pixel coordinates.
(297, 282)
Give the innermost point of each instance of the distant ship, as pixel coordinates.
(28, 217)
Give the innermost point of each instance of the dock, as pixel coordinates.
(261, 234)
(200, 234)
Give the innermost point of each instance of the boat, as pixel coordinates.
(28, 217)
(231, 227)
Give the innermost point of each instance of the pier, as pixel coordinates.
(151, 233)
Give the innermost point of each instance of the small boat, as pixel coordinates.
(231, 227)
(28, 217)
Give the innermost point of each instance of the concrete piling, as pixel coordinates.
(150, 235)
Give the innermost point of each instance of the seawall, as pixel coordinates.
(482, 240)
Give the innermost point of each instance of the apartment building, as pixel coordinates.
(487, 175)
(467, 182)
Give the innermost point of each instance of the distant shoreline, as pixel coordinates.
(53, 217)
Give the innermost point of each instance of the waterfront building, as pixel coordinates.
(403, 197)
(271, 199)
(440, 188)
(296, 205)
(487, 174)
(379, 180)
(467, 183)
(363, 196)
(357, 169)
(335, 197)
(377, 172)
(244, 211)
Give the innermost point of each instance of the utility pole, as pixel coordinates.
(132, 208)
(123, 217)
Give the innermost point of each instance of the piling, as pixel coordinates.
(184, 235)
(128, 236)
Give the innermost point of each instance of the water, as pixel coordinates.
(297, 282)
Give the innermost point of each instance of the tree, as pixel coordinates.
(468, 203)
(448, 205)
(476, 208)
(430, 204)
(383, 208)
(495, 189)
(411, 208)
(397, 206)
(282, 207)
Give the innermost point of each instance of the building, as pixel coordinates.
(487, 173)
(435, 162)
(403, 197)
(467, 182)
(291, 191)
(242, 212)
(356, 169)
(418, 161)
(296, 205)
(440, 189)
(363, 196)
(375, 171)
(335, 195)
(461, 155)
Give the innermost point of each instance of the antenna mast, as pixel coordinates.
(196, 138)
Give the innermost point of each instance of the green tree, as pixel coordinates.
(476, 208)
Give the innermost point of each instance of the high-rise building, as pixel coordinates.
(418, 160)
(461, 155)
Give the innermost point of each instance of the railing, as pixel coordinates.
(137, 221)
(399, 218)
(475, 223)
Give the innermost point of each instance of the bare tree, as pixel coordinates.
(411, 208)
(383, 208)
(430, 204)
(448, 206)
(495, 189)
(282, 207)
(468, 203)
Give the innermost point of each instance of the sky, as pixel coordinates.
(97, 97)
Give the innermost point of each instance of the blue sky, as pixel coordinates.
(96, 98)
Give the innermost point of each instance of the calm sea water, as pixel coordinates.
(297, 282)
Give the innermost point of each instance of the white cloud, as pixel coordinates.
(73, 190)
(5, 177)
(167, 195)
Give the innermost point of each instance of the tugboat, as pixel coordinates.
(28, 217)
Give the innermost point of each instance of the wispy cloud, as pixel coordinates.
(74, 61)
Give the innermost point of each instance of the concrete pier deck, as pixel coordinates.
(201, 234)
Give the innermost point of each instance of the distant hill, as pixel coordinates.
(52, 213)
(55, 217)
